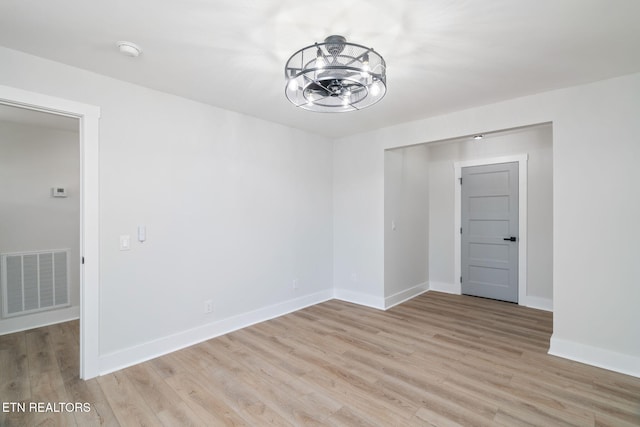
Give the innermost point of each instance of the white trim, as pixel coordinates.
(359, 298)
(449, 288)
(521, 159)
(38, 320)
(405, 295)
(150, 350)
(88, 116)
(613, 361)
(545, 304)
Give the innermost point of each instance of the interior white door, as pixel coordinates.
(490, 231)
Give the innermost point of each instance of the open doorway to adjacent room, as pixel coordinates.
(40, 255)
(40, 226)
(50, 228)
(425, 237)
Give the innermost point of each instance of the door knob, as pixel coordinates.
(510, 239)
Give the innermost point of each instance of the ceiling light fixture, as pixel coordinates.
(129, 49)
(335, 76)
(478, 137)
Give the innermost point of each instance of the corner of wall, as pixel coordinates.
(405, 295)
(449, 288)
(606, 359)
(538, 303)
(359, 298)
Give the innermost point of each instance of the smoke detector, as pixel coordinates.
(129, 49)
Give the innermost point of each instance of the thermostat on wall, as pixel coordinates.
(58, 192)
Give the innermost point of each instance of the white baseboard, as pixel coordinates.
(359, 298)
(529, 301)
(545, 304)
(150, 350)
(38, 320)
(449, 288)
(405, 295)
(613, 361)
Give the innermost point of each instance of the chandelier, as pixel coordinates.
(335, 76)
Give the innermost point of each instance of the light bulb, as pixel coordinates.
(293, 84)
(365, 66)
(320, 63)
(345, 100)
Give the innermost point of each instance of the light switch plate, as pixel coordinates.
(125, 243)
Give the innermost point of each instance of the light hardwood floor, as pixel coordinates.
(436, 360)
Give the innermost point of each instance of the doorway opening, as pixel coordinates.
(40, 211)
(87, 117)
(438, 261)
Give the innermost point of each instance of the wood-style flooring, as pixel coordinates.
(435, 360)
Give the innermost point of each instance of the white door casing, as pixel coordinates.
(522, 218)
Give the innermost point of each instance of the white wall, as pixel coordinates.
(536, 142)
(32, 160)
(595, 151)
(406, 223)
(358, 222)
(235, 208)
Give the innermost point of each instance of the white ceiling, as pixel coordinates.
(442, 55)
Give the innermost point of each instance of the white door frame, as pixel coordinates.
(88, 116)
(521, 159)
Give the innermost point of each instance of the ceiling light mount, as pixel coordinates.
(335, 76)
(129, 49)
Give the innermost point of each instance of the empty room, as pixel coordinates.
(382, 213)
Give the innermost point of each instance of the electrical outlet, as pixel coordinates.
(208, 306)
(294, 284)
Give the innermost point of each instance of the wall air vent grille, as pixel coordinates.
(34, 281)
